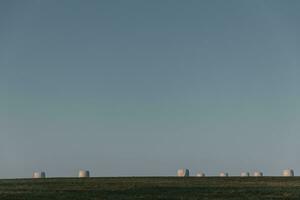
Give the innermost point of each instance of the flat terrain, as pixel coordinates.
(151, 188)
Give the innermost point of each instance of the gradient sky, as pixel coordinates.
(142, 88)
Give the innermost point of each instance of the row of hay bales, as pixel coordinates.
(180, 173)
(186, 173)
(81, 174)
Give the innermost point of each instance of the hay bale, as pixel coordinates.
(223, 174)
(245, 174)
(200, 174)
(183, 173)
(39, 175)
(257, 174)
(83, 174)
(288, 172)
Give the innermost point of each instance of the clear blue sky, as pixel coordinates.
(141, 88)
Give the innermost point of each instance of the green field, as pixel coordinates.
(151, 188)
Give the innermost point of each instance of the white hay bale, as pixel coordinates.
(200, 174)
(83, 174)
(288, 172)
(245, 174)
(223, 174)
(39, 175)
(183, 173)
(257, 174)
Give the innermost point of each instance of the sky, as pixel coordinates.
(142, 88)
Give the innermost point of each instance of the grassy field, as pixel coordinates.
(151, 188)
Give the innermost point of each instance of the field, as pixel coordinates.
(232, 188)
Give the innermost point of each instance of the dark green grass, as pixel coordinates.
(265, 188)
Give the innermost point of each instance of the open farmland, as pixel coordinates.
(151, 188)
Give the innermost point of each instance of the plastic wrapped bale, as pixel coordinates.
(223, 174)
(39, 175)
(245, 174)
(83, 174)
(257, 174)
(200, 174)
(288, 172)
(183, 173)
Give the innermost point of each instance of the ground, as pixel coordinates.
(233, 188)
